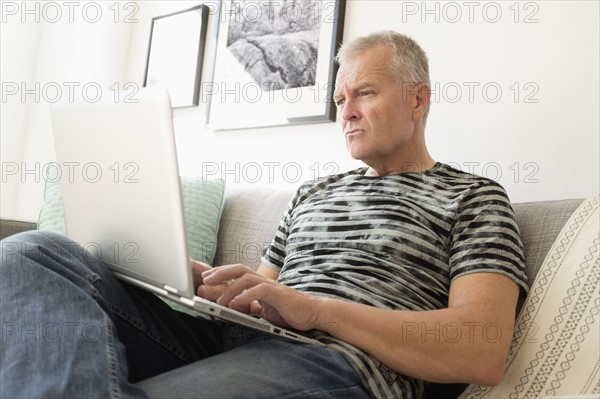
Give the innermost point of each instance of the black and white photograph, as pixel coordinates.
(279, 49)
(274, 63)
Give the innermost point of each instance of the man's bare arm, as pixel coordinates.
(267, 271)
(467, 342)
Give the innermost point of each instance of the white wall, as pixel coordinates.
(73, 51)
(539, 137)
(542, 145)
(17, 61)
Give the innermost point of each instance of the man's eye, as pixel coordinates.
(365, 93)
(339, 102)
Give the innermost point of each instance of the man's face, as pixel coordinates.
(375, 114)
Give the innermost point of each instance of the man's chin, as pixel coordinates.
(354, 151)
(357, 155)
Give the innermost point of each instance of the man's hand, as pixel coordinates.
(253, 293)
(197, 269)
(211, 293)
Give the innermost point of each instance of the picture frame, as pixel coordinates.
(274, 64)
(176, 54)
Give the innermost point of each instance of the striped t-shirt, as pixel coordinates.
(394, 242)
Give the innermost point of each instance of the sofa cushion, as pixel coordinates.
(9, 227)
(555, 344)
(202, 200)
(539, 224)
(248, 224)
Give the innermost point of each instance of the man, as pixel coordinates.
(407, 269)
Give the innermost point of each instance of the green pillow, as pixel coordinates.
(202, 203)
(52, 216)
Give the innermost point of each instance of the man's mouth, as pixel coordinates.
(353, 131)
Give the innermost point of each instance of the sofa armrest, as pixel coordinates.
(8, 227)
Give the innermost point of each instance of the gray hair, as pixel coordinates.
(409, 63)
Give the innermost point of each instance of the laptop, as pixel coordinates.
(122, 198)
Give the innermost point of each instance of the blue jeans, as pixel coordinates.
(70, 329)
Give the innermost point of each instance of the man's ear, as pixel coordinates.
(422, 95)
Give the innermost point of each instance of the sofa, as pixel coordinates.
(250, 217)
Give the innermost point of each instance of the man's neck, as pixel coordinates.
(403, 167)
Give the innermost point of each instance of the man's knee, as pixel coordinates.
(40, 246)
(35, 236)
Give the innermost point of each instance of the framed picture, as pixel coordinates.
(274, 63)
(175, 54)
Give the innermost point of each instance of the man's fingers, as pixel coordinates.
(204, 265)
(255, 308)
(212, 293)
(222, 274)
(237, 287)
(264, 300)
(199, 267)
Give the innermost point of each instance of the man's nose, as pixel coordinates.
(350, 110)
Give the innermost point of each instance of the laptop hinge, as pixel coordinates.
(170, 289)
(186, 301)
